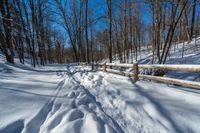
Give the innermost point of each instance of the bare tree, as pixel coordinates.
(109, 8)
(6, 7)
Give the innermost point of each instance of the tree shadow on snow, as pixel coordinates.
(14, 127)
(161, 109)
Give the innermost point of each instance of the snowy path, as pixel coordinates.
(46, 101)
(145, 106)
(76, 99)
(77, 112)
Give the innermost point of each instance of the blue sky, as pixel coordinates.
(99, 6)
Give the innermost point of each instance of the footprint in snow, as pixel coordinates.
(74, 114)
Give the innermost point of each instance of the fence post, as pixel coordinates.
(136, 72)
(104, 67)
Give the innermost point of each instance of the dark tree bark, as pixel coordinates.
(193, 18)
(6, 8)
(86, 33)
(109, 7)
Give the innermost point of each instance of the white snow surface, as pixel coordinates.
(48, 100)
(145, 106)
(73, 99)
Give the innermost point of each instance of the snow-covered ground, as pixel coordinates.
(76, 99)
(145, 106)
(176, 52)
(48, 100)
(72, 99)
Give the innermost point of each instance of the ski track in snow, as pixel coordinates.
(96, 102)
(34, 125)
(72, 99)
(72, 109)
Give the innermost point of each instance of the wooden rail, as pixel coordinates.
(120, 65)
(83, 63)
(136, 75)
(172, 81)
(194, 68)
(119, 72)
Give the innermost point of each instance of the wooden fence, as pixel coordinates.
(194, 68)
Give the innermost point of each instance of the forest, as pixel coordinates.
(65, 31)
(99, 66)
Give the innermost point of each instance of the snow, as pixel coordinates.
(144, 106)
(81, 100)
(47, 100)
(71, 98)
